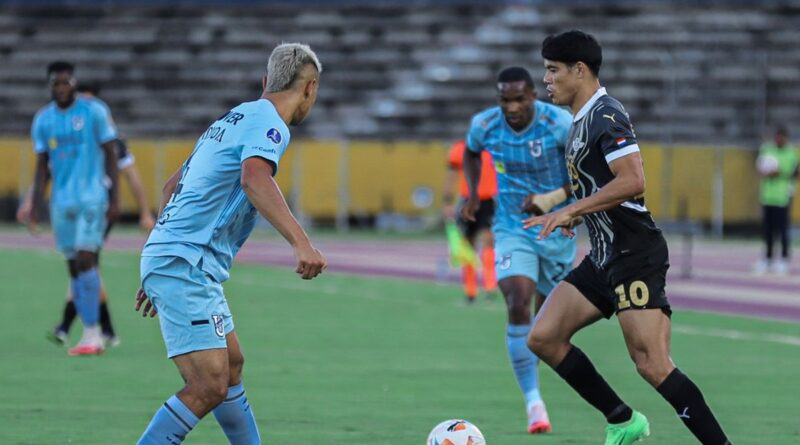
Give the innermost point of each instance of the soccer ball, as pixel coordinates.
(767, 165)
(455, 432)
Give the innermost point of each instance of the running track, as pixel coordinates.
(721, 280)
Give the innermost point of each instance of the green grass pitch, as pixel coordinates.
(351, 360)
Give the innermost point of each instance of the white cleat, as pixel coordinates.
(538, 421)
(780, 267)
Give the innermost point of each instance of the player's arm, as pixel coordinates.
(168, 190)
(41, 177)
(539, 204)
(109, 148)
(134, 181)
(472, 174)
(263, 192)
(628, 183)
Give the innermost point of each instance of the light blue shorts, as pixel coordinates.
(79, 228)
(192, 309)
(546, 262)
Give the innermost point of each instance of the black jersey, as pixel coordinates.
(601, 132)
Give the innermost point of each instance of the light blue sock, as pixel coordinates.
(524, 362)
(170, 425)
(86, 296)
(236, 418)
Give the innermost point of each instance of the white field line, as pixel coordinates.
(734, 334)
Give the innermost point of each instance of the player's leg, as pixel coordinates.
(109, 334)
(86, 296)
(647, 335)
(485, 243)
(517, 269)
(206, 375)
(90, 226)
(768, 230)
(567, 310)
(60, 333)
(63, 221)
(781, 265)
(234, 413)
(518, 292)
(193, 317)
(469, 274)
(106, 326)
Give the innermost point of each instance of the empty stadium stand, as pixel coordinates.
(706, 74)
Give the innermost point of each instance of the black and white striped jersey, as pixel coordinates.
(601, 132)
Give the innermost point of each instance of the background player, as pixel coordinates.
(626, 269)
(74, 141)
(526, 140)
(211, 211)
(126, 166)
(775, 195)
(478, 233)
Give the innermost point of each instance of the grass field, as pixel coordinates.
(352, 360)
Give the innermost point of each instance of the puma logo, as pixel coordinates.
(611, 118)
(683, 415)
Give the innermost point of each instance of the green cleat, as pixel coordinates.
(628, 432)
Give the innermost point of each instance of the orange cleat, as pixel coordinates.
(85, 349)
(540, 427)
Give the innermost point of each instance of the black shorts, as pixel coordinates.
(484, 218)
(633, 281)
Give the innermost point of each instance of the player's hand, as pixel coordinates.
(26, 215)
(449, 212)
(146, 221)
(149, 308)
(569, 229)
(550, 221)
(112, 213)
(310, 261)
(24, 211)
(470, 208)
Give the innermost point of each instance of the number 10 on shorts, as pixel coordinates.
(638, 294)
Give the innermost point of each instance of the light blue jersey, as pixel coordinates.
(72, 138)
(209, 217)
(528, 161)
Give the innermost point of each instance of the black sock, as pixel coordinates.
(581, 375)
(691, 407)
(105, 320)
(68, 316)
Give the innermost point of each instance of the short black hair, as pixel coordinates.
(782, 130)
(573, 46)
(515, 74)
(59, 67)
(91, 88)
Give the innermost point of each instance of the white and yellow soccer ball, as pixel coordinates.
(767, 164)
(455, 432)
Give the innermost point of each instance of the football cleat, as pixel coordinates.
(58, 336)
(538, 421)
(86, 349)
(626, 433)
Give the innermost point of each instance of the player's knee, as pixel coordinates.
(541, 342)
(84, 261)
(651, 368)
(518, 309)
(214, 391)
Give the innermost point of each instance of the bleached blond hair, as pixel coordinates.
(285, 64)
